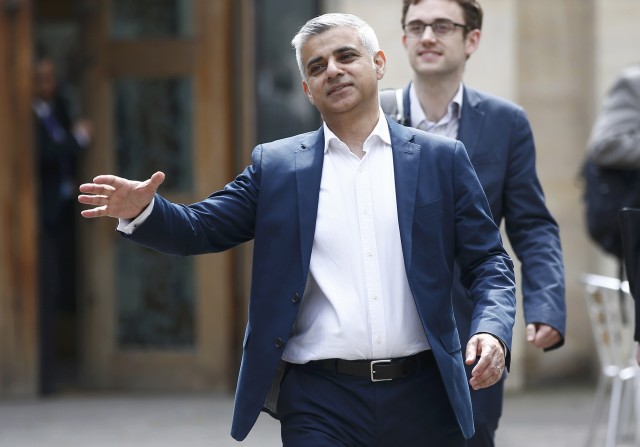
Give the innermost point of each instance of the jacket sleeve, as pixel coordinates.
(533, 233)
(486, 268)
(221, 221)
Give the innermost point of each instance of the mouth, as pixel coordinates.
(338, 88)
(429, 54)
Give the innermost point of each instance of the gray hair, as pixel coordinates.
(320, 24)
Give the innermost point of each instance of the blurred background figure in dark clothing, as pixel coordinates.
(61, 135)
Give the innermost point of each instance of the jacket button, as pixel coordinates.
(295, 298)
(279, 343)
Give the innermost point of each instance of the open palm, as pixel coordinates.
(118, 197)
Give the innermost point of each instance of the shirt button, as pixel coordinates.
(278, 343)
(295, 298)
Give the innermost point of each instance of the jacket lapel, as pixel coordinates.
(308, 167)
(406, 156)
(471, 121)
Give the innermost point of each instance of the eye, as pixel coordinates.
(415, 28)
(346, 57)
(442, 26)
(315, 69)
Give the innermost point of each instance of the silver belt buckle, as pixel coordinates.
(373, 363)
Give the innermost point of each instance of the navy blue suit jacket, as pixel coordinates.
(443, 216)
(499, 141)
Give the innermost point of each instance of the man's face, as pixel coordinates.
(341, 76)
(45, 80)
(440, 56)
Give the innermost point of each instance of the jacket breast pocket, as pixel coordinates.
(428, 209)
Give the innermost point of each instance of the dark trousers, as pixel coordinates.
(57, 285)
(317, 408)
(487, 409)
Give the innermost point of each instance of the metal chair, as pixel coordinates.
(610, 311)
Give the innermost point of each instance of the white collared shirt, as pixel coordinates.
(357, 303)
(450, 122)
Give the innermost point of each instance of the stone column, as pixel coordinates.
(554, 83)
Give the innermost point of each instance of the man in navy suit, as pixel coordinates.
(439, 37)
(351, 338)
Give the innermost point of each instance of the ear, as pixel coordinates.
(472, 41)
(380, 61)
(307, 92)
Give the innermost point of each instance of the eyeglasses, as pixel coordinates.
(440, 27)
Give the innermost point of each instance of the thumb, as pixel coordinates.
(531, 332)
(156, 179)
(472, 351)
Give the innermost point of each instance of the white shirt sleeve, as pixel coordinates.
(128, 226)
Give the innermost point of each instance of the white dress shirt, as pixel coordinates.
(357, 303)
(450, 122)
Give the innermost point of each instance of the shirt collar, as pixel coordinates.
(417, 114)
(381, 131)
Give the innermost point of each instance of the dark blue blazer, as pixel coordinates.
(443, 216)
(499, 141)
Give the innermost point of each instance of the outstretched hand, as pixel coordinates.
(490, 366)
(118, 197)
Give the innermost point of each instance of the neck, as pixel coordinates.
(435, 94)
(354, 128)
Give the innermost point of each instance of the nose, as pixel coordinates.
(333, 68)
(428, 34)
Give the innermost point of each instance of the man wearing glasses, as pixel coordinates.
(439, 36)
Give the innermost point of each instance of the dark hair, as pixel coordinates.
(471, 10)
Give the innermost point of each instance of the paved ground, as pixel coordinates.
(544, 418)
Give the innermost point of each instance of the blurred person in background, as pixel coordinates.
(614, 145)
(615, 136)
(60, 138)
(439, 37)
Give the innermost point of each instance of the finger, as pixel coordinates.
(92, 188)
(491, 377)
(531, 332)
(545, 337)
(108, 179)
(484, 363)
(94, 212)
(92, 199)
(487, 372)
(472, 351)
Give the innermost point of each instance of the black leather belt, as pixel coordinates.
(378, 370)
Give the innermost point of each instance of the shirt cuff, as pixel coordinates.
(128, 226)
